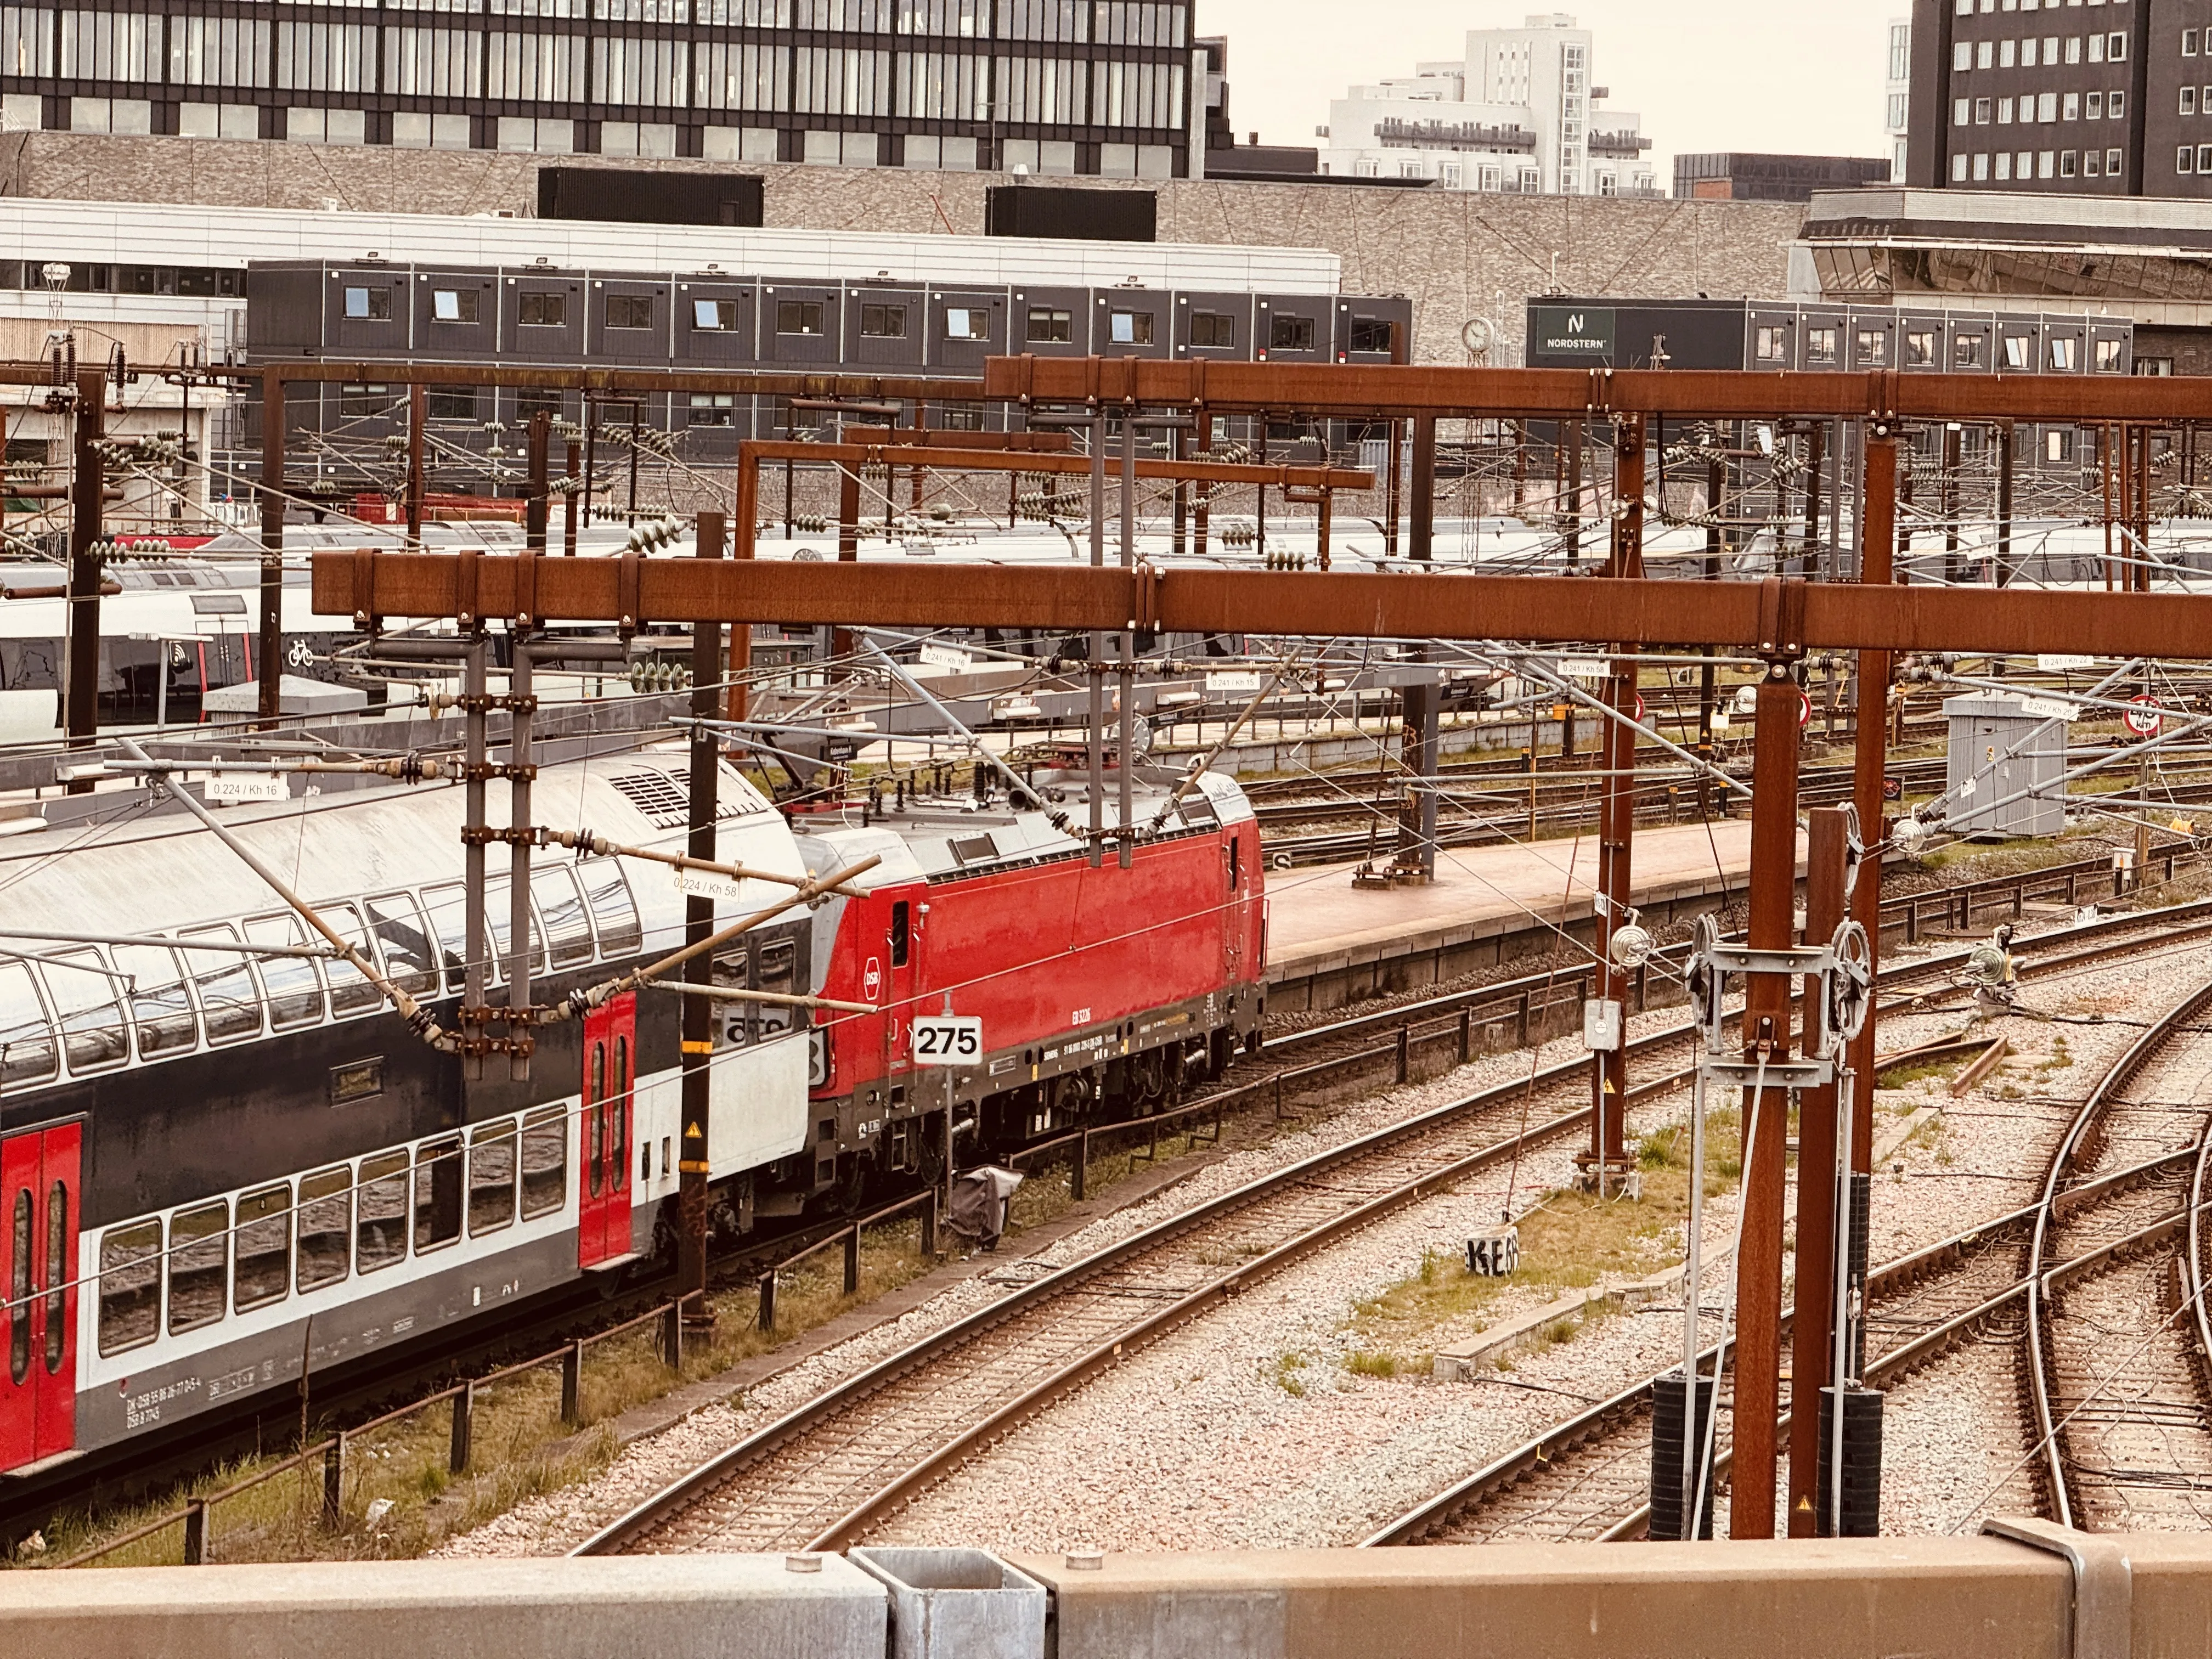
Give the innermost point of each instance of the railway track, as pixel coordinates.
(2109, 1215)
(2117, 1370)
(823, 1473)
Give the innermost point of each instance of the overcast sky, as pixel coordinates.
(1786, 75)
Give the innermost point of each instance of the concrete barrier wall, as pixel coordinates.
(2146, 1597)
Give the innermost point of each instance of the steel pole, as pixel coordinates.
(1766, 1120)
(1417, 832)
(270, 644)
(537, 506)
(697, 1014)
(418, 403)
(1870, 755)
(1617, 813)
(88, 480)
(1812, 1331)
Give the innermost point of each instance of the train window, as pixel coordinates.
(84, 996)
(230, 1007)
(595, 1119)
(410, 959)
(446, 909)
(58, 1274)
(200, 1265)
(618, 1119)
(351, 991)
(27, 1041)
(264, 1248)
(379, 1228)
(733, 1021)
(901, 933)
(779, 969)
(568, 924)
(437, 1194)
(296, 991)
(130, 1285)
(499, 917)
(614, 913)
(491, 1177)
(325, 1226)
(544, 1161)
(160, 1007)
(19, 1286)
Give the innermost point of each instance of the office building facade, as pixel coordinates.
(2112, 99)
(1053, 86)
(1519, 114)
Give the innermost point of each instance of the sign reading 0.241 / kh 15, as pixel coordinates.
(1558, 335)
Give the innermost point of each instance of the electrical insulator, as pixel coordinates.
(1910, 837)
(1631, 945)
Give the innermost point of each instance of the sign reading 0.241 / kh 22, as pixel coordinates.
(1559, 335)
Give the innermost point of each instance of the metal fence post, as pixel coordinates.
(853, 1261)
(1079, 1178)
(334, 1480)
(572, 1383)
(671, 1333)
(767, 1300)
(196, 1533)
(1465, 1034)
(1520, 1020)
(929, 1222)
(464, 1401)
(1405, 1052)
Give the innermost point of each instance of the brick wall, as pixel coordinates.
(1457, 254)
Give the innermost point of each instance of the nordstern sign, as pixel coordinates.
(1582, 333)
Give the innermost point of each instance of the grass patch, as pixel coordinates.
(1284, 1373)
(1904, 1077)
(1569, 1242)
(519, 1446)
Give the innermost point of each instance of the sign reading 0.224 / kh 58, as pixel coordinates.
(1558, 335)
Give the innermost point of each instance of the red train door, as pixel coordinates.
(610, 1052)
(1238, 876)
(38, 1271)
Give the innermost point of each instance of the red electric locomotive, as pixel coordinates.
(1101, 991)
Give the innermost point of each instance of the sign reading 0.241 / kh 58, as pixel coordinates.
(1560, 335)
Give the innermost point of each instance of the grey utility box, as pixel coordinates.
(957, 1604)
(1998, 750)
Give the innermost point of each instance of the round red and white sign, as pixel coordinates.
(1804, 709)
(2144, 717)
(1641, 718)
(871, 979)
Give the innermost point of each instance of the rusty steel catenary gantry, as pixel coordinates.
(1779, 620)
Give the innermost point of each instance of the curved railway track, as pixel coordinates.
(2110, 1214)
(822, 1474)
(2116, 1374)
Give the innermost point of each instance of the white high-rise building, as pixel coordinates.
(1517, 114)
(1898, 94)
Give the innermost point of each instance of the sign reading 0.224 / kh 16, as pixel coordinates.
(1559, 335)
